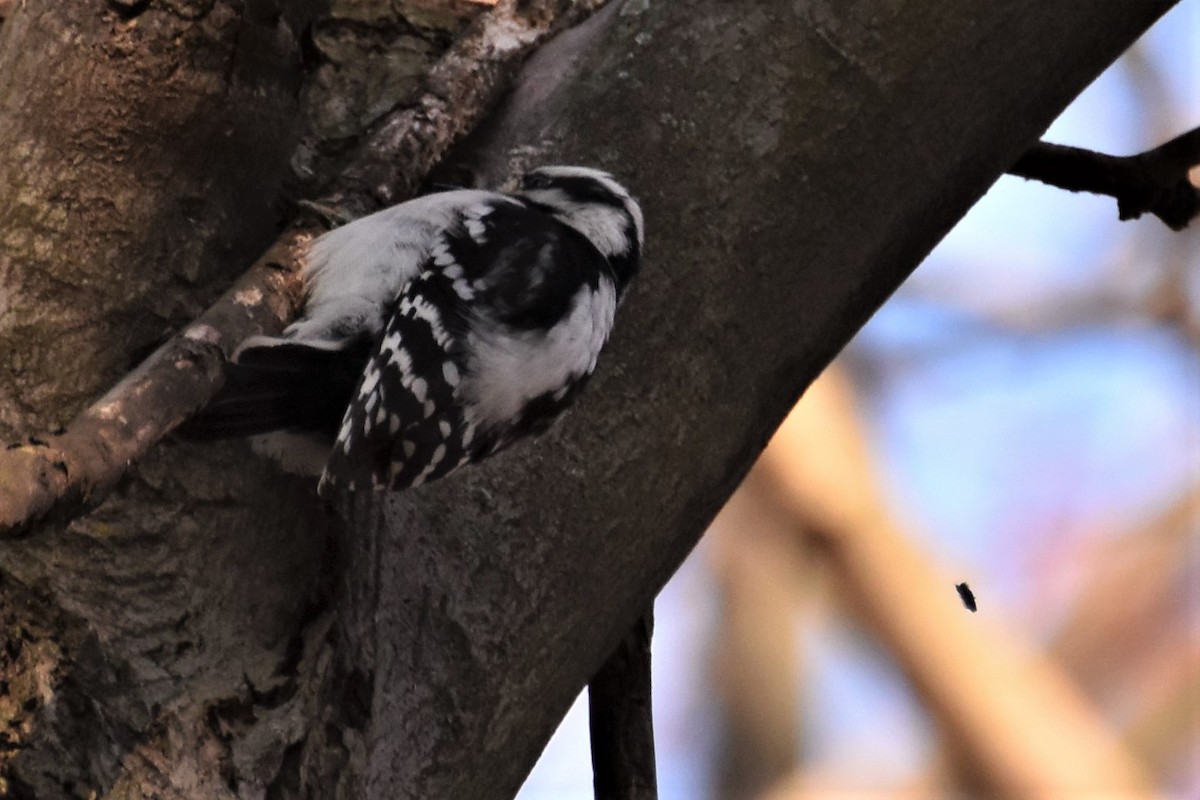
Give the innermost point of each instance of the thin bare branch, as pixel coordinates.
(64, 474)
(621, 720)
(1156, 181)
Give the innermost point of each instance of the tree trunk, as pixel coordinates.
(144, 151)
(200, 634)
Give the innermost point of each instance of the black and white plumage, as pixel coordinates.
(438, 331)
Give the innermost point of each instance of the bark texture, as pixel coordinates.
(144, 151)
(168, 644)
(142, 164)
(200, 634)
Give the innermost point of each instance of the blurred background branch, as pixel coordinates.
(1002, 711)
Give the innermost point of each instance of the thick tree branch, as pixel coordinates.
(621, 720)
(69, 472)
(1158, 181)
(780, 214)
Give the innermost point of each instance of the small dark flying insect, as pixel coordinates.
(968, 598)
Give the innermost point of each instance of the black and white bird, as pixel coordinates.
(437, 332)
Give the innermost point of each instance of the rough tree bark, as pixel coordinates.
(115, 116)
(199, 635)
(142, 159)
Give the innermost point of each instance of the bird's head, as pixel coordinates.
(593, 203)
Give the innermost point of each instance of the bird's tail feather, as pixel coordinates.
(278, 384)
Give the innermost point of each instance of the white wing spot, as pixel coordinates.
(477, 230)
(370, 381)
(441, 255)
(444, 427)
(450, 373)
(438, 455)
(403, 361)
(391, 342)
(428, 312)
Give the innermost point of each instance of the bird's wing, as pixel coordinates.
(351, 272)
(504, 273)
(404, 424)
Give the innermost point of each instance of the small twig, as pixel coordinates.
(1156, 181)
(73, 470)
(621, 720)
(65, 474)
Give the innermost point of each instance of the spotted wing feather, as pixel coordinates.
(405, 425)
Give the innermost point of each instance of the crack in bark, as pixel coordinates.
(128, 9)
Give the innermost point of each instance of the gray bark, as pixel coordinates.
(201, 634)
